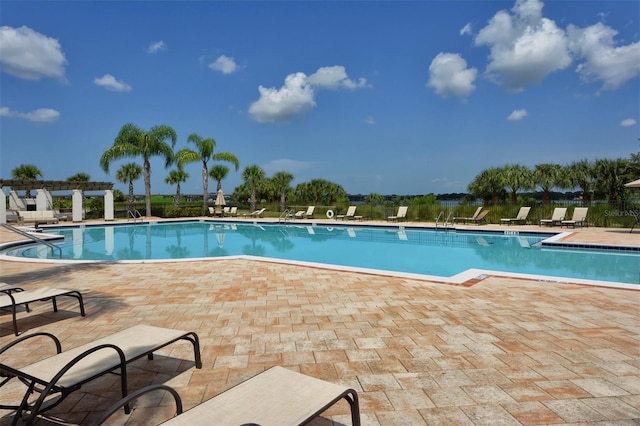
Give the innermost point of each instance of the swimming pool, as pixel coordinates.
(396, 250)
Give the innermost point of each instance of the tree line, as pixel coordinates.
(602, 179)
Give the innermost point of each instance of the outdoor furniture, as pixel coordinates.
(579, 218)
(466, 219)
(520, 218)
(11, 299)
(275, 397)
(401, 215)
(38, 216)
(351, 214)
(308, 214)
(556, 218)
(257, 213)
(56, 377)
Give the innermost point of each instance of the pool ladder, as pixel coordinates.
(32, 237)
(135, 214)
(446, 221)
(286, 215)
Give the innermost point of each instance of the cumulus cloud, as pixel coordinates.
(628, 122)
(603, 60)
(27, 54)
(449, 76)
(224, 64)
(524, 46)
(297, 95)
(156, 46)
(335, 77)
(517, 115)
(109, 82)
(41, 115)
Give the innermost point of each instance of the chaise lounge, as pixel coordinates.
(401, 215)
(351, 214)
(521, 218)
(275, 397)
(56, 377)
(579, 218)
(12, 299)
(556, 218)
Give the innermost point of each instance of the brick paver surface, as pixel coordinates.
(503, 351)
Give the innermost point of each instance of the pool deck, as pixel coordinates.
(503, 351)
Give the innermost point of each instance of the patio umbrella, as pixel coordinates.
(634, 184)
(220, 198)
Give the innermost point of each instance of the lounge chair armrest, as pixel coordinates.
(135, 395)
(29, 336)
(35, 409)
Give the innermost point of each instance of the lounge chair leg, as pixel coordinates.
(352, 399)
(55, 304)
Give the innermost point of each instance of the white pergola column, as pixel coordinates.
(108, 204)
(43, 200)
(15, 202)
(3, 207)
(76, 199)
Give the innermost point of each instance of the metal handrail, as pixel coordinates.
(286, 214)
(134, 214)
(32, 237)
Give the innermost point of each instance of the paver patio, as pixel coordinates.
(503, 351)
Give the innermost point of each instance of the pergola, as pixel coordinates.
(43, 198)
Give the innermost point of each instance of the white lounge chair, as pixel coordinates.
(234, 211)
(56, 377)
(401, 215)
(350, 214)
(308, 214)
(520, 218)
(256, 213)
(466, 219)
(11, 299)
(556, 217)
(579, 218)
(275, 397)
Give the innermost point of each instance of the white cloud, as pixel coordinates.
(524, 46)
(156, 46)
(335, 77)
(297, 95)
(449, 76)
(109, 82)
(603, 60)
(30, 55)
(370, 121)
(517, 115)
(466, 29)
(628, 122)
(224, 64)
(41, 115)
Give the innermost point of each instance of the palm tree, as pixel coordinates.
(217, 173)
(26, 172)
(252, 175)
(127, 174)
(488, 184)
(282, 180)
(204, 153)
(132, 141)
(611, 175)
(581, 174)
(547, 176)
(176, 177)
(517, 177)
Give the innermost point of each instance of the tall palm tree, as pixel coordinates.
(516, 177)
(252, 175)
(581, 174)
(26, 172)
(547, 176)
(176, 177)
(488, 184)
(204, 153)
(217, 173)
(132, 141)
(282, 180)
(611, 175)
(127, 173)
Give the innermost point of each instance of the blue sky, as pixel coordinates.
(403, 97)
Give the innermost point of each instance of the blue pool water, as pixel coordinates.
(426, 252)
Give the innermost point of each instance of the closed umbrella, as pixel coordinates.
(220, 201)
(634, 184)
